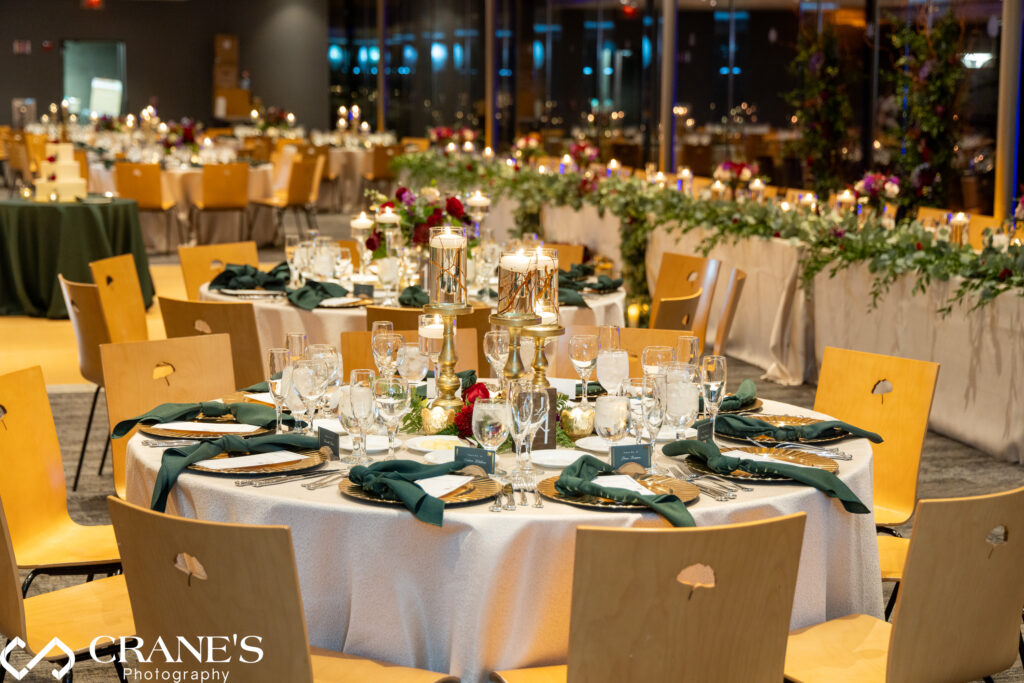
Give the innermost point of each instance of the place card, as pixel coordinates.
(765, 458)
(362, 290)
(331, 439)
(262, 397)
(480, 457)
(623, 481)
(252, 460)
(218, 427)
(444, 484)
(546, 437)
(704, 432)
(639, 453)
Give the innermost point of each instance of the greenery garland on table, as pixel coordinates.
(829, 242)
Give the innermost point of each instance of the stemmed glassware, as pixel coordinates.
(491, 424)
(278, 362)
(413, 365)
(611, 417)
(296, 344)
(381, 326)
(361, 404)
(291, 246)
(387, 272)
(632, 388)
(391, 398)
(654, 357)
(488, 254)
(431, 337)
(583, 353)
(333, 366)
(310, 380)
(713, 372)
(496, 344)
(520, 401)
(682, 395)
(388, 349)
(688, 349)
(609, 338)
(612, 369)
(652, 401)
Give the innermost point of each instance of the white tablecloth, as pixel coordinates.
(489, 591)
(325, 325)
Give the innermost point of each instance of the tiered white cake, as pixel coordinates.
(62, 175)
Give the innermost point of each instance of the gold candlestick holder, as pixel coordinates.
(447, 381)
(541, 334)
(514, 368)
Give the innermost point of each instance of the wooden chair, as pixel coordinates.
(678, 608)
(633, 339)
(94, 611)
(138, 376)
(956, 615)
(928, 215)
(202, 263)
(217, 595)
(82, 157)
(892, 397)
(225, 188)
(568, 254)
(415, 144)
(82, 301)
(408, 318)
(684, 275)
(977, 226)
(120, 294)
(142, 183)
(380, 164)
(353, 249)
(45, 539)
(677, 313)
(356, 352)
(300, 195)
(236, 319)
(733, 291)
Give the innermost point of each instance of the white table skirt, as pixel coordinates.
(490, 591)
(324, 326)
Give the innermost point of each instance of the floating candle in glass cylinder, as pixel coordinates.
(451, 148)
(488, 153)
(757, 190)
(958, 225)
(718, 190)
(467, 147)
(447, 269)
(684, 180)
(613, 167)
(546, 297)
(516, 285)
(846, 200)
(479, 200)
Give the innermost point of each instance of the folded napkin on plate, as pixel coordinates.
(566, 282)
(570, 297)
(593, 389)
(394, 480)
(576, 479)
(312, 293)
(467, 377)
(744, 396)
(413, 297)
(235, 276)
(176, 460)
(260, 387)
(246, 413)
(826, 482)
(743, 427)
(605, 284)
(577, 271)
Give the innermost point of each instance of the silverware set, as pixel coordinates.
(169, 443)
(313, 480)
(833, 453)
(507, 493)
(718, 488)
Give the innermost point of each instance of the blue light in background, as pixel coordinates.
(645, 52)
(505, 73)
(538, 54)
(409, 54)
(608, 71)
(587, 71)
(438, 55)
(374, 54)
(457, 55)
(334, 55)
(725, 70)
(361, 55)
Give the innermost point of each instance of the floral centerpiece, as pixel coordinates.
(442, 135)
(182, 135)
(108, 123)
(583, 154)
(418, 213)
(275, 120)
(528, 147)
(875, 188)
(735, 174)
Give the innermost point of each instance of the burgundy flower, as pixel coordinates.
(918, 246)
(373, 241)
(401, 191)
(1004, 273)
(387, 204)
(777, 234)
(464, 422)
(454, 207)
(53, 176)
(421, 234)
(478, 390)
(51, 158)
(435, 219)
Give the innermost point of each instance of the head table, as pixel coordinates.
(492, 590)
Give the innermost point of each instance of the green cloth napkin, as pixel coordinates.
(393, 479)
(826, 482)
(235, 276)
(593, 389)
(577, 479)
(260, 387)
(176, 460)
(570, 297)
(468, 378)
(490, 293)
(312, 293)
(566, 282)
(577, 271)
(246, 413)
(746, 427)
(605, 284)
(745, 395)
(413, 297)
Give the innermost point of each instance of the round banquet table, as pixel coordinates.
(276, 317)
(491, 590)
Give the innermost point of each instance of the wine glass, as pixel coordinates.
(653, 357)
(712, 374)
(413, 365)
(391, 399)
(632, 388)
(335, 375)
(652, 401)
(310, 380)
(496, 349)
(296, 344)
(387, 272)
(348, 420)
(611, 417)
(682, 395)
(539, 419)
(612, 369)
(491, 424)
(277, 364)
(583, 354)
(343, 266)
(520, 401)
(688, 349)
(609, 338)
(388, 349)
(381, 326)
(361, 407)
(291, 246)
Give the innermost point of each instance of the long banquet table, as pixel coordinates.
(491, 590)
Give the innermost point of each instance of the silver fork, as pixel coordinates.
(496, 505)
(703, 483)
(326, 481)
(833, 453)
(537, 502)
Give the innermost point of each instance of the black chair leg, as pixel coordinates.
(85, 440)
(311, 218)
(28, 582)
(117, 668)
(892, 600)
(888, 530)
(103, 458)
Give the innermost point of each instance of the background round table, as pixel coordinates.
(39, 240)
(492, 590)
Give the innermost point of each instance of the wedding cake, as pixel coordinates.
(60, 173)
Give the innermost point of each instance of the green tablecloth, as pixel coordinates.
(39, 240)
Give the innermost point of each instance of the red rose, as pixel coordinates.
(478, 390)
(464, 422)
(51, 158)
(401, 191)
(918, 246)
(373, 241)
(53, 176)
(454, 207)
(435, 219)
(421, 234)
(777, 234)
(1004, 273)
(387, 204)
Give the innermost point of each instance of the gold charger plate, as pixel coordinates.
(786, 421)
(312, 460)
(752, 408)
(684, 490)
(480, 489)
(783, 455)
(186, 434)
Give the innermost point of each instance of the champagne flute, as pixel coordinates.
(653, 357)
(688, 349)
(713, 373)
(632, 388)
(520, 401)
(388, 349)
(335, 375)
(348, 420)
(539, 419)
(277, 364)
(296, 344)
(496, 343)
(391, 399)
(612, 369)
(682, 395)
(583, 354)
(609, 338)
(361, 405)
(387, 272)
(611, 417)
(491, 425)
(652, 401)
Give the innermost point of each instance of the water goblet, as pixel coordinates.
(682, 395)
(612, 369)
(653, 357)
(583, 354)
(611, 417)
(391, 400)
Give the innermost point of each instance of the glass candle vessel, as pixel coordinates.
(516, 284)
(447, 270)
(546, 297)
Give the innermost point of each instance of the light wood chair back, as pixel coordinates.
(5, 142)
(140, 182)
(415, 144)
(356, 352)
(36, 146)
(402, 318)
(12, 606)
(977, 226)
(138, 376)
(82, 157)
(281, 144)
(733, 292)
(959, 605)
(83, 303)
(677, 313)
(225, 186)
(32, 487)
(633, 340)
(892, 397)
(19, 159)
(236, 319)
(257, 148)
(318, 171)
(226, 591)
(677, 609)
(380, 162)
(117, 282)
(353, 248)
(219, 132)
(202, 263)
(931, 216)
(568, 254)
(303, 180)
(684, 275)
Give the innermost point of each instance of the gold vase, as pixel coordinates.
(578, 420)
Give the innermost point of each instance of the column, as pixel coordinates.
(666, 155)
(1008, 126)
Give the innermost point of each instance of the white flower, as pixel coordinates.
(858, 187)
(745, 174)
(891, 189)
(430, 194)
